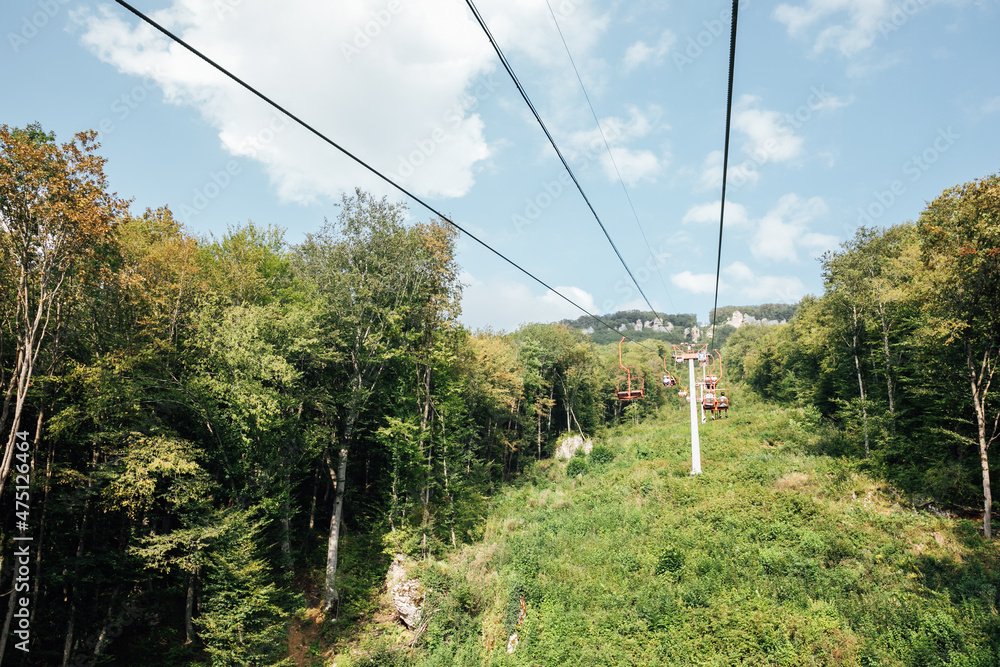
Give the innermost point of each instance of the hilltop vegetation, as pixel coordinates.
(777, 312)
(601, 335)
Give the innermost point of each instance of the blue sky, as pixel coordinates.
(845, 112)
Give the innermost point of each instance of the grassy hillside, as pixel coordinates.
(776, 555)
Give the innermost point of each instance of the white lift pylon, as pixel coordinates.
(689, 353)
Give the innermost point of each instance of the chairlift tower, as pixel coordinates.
(690, 354)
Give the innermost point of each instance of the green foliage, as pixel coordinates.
(900, 348)
(601, 455)
(602, 336)
(576, 466)
(774, 555)
(768, 311)
(243, 617)
(179, 382)
(670, 559)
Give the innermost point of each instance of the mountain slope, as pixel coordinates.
(776, 555)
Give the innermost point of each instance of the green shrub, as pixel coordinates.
(671, 560)
(601, 455)
(576, 467)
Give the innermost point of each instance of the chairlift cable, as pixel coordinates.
(725, 162)
(610, 154)
(364, 164)
(524, 95)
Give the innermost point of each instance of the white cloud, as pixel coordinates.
(526, 26)
(846, 26)
(504, 303)
(753, 288)
(784, 230)
(736, 214)
(382, 84)
(696, 283)
(741, 174)
(991, 106)
(711, 172)
(640, 52)
(635, 165)
(770, 138)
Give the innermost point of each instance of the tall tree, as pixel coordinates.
(960, 240)
(845, 279)
(367, 266)
(54, 209)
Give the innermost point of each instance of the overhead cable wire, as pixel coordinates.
(725, 162)
(364, 164)
(610, 154)
(524, 95)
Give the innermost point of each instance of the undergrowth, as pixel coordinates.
(776, 555)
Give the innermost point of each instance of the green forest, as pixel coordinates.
(215, 449)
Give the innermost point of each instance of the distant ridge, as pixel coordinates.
(681, 328)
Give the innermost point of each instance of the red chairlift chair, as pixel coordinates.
(629, 388)
(668, 379)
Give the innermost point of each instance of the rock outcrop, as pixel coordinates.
(568, 446)
(738, 319)
(407, 594)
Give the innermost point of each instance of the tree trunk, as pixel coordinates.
(425, 435)
(861, 384)
(552, 404)
(979, 384)
(891, 393)
(447, 483)
(68, 646)
(37, 593)
(286, 526)
(29, 344)
(331, 598)
(312, 504)
(189, 635)
(539, 414)
(582, 436)
(68, 643)
(10, 615)
(864, 407)
(113, 620)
